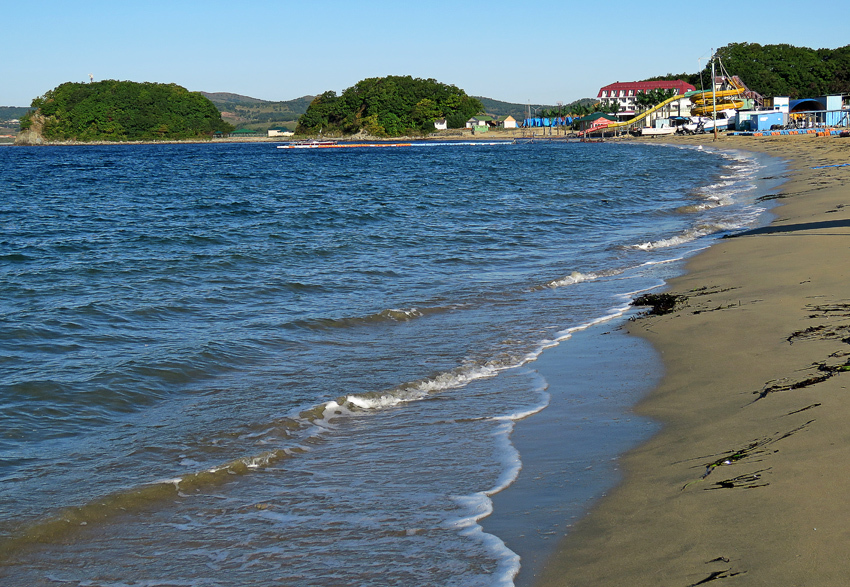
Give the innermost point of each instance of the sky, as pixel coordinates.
(540, 53)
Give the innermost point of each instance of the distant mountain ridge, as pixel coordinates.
(521, 111)
(229, 98)
(254, 113)
(12, 112)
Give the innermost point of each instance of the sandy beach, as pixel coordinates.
(745, 482)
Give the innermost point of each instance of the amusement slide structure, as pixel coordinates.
(703, 104)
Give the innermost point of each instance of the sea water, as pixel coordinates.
(228, 364)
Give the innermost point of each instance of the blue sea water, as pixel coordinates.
(228, 364)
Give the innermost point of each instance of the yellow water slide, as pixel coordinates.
(643, 115)
(704, 102)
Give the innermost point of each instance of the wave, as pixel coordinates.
(298, 431)
(574, 278)
(696, 208)
(384, 316)
(16, 258)
(687, 236)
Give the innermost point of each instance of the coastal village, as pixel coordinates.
(729, 106)
(599, 363)
(638, 108)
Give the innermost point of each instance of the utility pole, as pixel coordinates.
(560, 122)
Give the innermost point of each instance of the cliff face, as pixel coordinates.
(32, 135)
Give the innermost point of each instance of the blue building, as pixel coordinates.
(825, 110)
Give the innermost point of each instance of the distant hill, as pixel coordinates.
(519, 111)
(12, 112)
(253, 113)
(256, 114)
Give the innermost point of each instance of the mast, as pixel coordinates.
(713, 95)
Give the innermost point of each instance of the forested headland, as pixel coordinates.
(779, 70)
(113, 110)
(389, 106)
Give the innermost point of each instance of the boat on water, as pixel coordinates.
(385, 145)
(308, 144)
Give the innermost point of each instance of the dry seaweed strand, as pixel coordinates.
(756, 447)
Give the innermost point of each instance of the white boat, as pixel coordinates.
(649, 131)
(310, 144)
(701, 124)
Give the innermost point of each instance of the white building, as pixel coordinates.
(625, 94)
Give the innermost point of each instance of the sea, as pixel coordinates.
(236, 365)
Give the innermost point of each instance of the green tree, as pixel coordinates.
(785, 70)
(123, 110)
(399, 104)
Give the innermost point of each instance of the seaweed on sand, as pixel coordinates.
(825, 372)
(717, 575)
(756, 448)
(659, 304)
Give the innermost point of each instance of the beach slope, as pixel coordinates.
(746, 482)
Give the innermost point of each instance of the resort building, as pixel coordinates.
(625, 94)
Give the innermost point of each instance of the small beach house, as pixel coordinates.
(507, 121)
(480, 122)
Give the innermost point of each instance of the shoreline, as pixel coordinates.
(454, 135)
(751, 406)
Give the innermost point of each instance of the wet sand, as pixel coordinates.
(746, 481)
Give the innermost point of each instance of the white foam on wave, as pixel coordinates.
(573, 278)
(687, 236)
(579, 277)
(701, 207)
(401, 314)
(480, 504)
(420, 389)
(662, 261)
(612, 314)
(511, 463)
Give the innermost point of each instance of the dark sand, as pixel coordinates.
(746, 482)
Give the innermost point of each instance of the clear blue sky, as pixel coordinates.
(539, 52)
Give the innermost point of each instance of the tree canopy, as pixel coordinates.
(654, 97)
(389, 106)
(780, 70)
(113, 110)
(785, 70)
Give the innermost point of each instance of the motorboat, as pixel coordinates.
(308, 144)
(701, 124)
(649, 131)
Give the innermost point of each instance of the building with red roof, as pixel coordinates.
(625, 92)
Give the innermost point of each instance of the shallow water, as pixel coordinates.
(228, 364)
